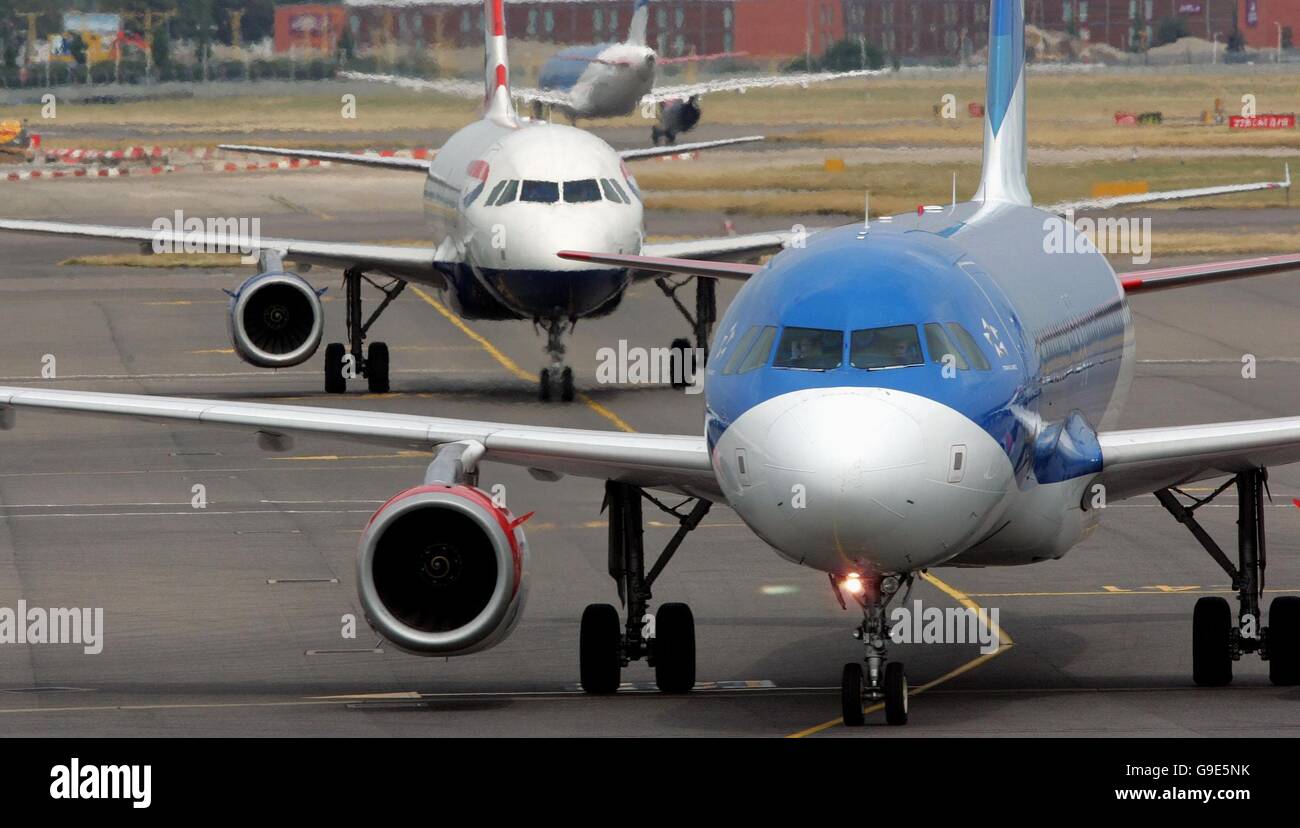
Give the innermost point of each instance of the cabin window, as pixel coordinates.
(581, 191)
(810, 349)
(940, 346)
(542, 192)
(970, 345)
(896, 346)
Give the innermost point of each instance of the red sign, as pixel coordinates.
(1262, 122)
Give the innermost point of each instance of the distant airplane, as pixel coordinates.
(936, 389)
(609, 80)
(502, 195)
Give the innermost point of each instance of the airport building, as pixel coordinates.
(1266, 22)
(910, 29)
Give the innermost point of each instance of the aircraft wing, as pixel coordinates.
(1145, 281)
(1170, 195)
(726, 257)
(412, 264)
(677, 149)
(662, 461)
(661, 94)
(469, 90)
(382, 161)
(1144, 460)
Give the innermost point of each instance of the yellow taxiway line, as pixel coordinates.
(508, 363)
(1004, 643)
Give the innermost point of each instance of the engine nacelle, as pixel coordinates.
(276, 320)
(441, 569)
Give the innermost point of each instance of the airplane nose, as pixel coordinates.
(863, 478)
(853, 466)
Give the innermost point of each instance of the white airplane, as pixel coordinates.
(609, 80)
(501, 197)
(940, 389)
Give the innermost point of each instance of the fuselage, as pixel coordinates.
(925, 392)
(500, 200)
(607, 80)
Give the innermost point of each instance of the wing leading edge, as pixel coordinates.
(412, 264)
(662, 461)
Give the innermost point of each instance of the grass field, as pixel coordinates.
(898, 187)
(1067, 112)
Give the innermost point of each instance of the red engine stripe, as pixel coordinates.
(504, 519)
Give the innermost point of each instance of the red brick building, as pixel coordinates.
(309, 26)
(1260, 21)
(939, 28)
(920, 29)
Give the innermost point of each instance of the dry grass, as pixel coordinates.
(1065, 111)
(900, 187)
(163, 261)
(1182, 243)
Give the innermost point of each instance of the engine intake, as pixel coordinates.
(440, 570)
(276, 320)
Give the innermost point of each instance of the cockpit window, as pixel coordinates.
(940, 346)
(969, 344)
(496, 191)
(507, 194)
(811, 349)
(543, 192)
(742, 347)
(613, 192)
(896, 346)
(581, 191)
(758, 354)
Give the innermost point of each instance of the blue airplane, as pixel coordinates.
(938, 389)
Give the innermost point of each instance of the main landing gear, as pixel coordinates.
(558, 374)
(357, 361)
(665, 639)
(882, 680)
(685, 361)
(1216, 640)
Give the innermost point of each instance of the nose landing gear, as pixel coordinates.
(882, 681)
(558, 373)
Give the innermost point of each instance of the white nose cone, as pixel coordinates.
(854, 478)
(852, 465)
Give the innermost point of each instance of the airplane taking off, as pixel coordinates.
(940, 389)
(609, 80)
(501, 197)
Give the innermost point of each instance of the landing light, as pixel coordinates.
(852, 584)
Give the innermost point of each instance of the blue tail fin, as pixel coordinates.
(1006, 154)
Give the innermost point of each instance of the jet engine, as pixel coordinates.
(276, 320)
(440, 570)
